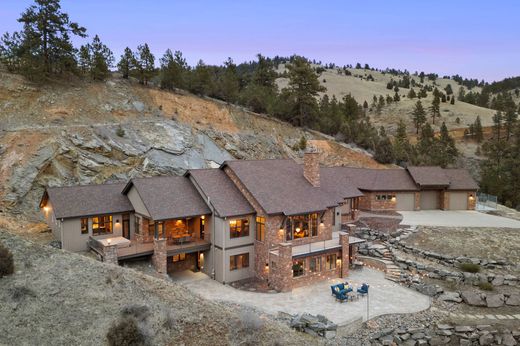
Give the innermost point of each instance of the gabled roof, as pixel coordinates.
(87, 200)
(429, 176)
(460, 179)
(368, 179)
(223, 194)
(334, 181)
(280, 187)
(169, 197)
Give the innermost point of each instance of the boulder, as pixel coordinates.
(513, 300)
(508, 339)
(486, 339)
(463, 329)
(494, 300)
(473, 298)
(450, 297)
(498, 280)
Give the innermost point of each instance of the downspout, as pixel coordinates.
(224, 251)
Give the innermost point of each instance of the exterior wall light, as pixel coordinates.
(393, 198)
(203, 217)
(471, 197)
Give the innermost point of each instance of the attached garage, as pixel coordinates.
(405, 201)
(430, 200)
(458, 200)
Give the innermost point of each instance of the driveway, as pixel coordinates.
(385, 297)
(456, 218)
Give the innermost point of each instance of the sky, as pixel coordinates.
(472, 38)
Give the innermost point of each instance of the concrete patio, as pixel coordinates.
(385, 297)
(456, 218)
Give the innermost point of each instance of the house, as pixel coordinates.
(275, 220)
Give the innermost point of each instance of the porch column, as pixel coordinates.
(159, 256)
(417, 201)
(344, 242)
(281, 276)
(110, 254)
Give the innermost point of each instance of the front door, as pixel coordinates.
(126, 226)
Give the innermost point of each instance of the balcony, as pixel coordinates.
(318, 246)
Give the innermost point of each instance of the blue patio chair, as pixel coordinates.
(363, 289)
(341, 296)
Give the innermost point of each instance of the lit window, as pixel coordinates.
(239, 228)
(179, 257)
(315, 264)
(331, 262)
(84, 226)
(102, 225)
(298, 268)
(239, 261)
(260, 228)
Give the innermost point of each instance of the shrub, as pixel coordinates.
(120, 132)
(486, 286)
(6, 261)
(19, 293)
(140, 312)
(126, 332)
(469, 267)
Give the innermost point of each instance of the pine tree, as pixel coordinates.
(260, 93)
(174, 69)
(302, 89)
(452, 101)
(411, 94)
(145, 63)
(10, 51)
(126, 63)
(448, 150)
(101, 59)
(477, 129)
(45, 45)
(418, 116)
(397, 98)
(384, 151)
(448, 89)
(403, 150)
(229, 82)
(435, 107)
(201, 82)
(84, 59)
(510, 120)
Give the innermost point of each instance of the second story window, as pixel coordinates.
(239, 228)
(260, 228)
(301, 226)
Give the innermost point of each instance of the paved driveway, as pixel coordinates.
(456, 218)
(385, 297)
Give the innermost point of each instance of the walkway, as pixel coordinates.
(456, 218)
(385, 297)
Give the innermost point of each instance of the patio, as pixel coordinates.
(385, 296)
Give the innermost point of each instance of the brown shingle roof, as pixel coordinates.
(88, 200)
(223, 194)
(460, 179)
(376, 179)
(169, 197)
(334, 181)
(280, 187)
(429, 176)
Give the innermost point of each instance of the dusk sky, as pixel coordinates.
(477, 39)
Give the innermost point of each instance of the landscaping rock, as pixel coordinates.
(486, 339)
(513, 300)
(473, 298)
(450, 297)
(494, 300)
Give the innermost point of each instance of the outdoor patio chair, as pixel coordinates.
(363, 289)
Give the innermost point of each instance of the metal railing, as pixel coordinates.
(315, 246)
(486, 202)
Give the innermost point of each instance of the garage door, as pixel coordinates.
(458, 201)
(405, 201)
(429, 200)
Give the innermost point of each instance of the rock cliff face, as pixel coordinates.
(84, 133)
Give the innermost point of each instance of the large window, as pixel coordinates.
(385, 197)
(239, 261)
(102, 225)
(315, 264)
(298, 268)
(331, 262)
(301, 226)
(84, 226)
(179, 257)
(239, 228)
(260, 228)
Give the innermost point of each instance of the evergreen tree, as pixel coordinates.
(384, 152)
(452, 101)
(202, 81)
(435, 107)
(365, 105)
(260, 93)
(10, 51)
(101, 59)
(418, 116)
(302, 90)
(411, 94)
(477, 129)
(174, 70)
(229, 82)
(45, 44)
(448, 151)
(403, 150)
(448, 89)
(145, 64)
(510, 120)
(397, 98)
(84, 59)
(126, 63)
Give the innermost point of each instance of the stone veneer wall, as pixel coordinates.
(345, 260)
(324, 274)
(110, 254)
(444, 200)
(369, 202)
(417, 201)
(159, 257)
(280, 269)
(311, 168)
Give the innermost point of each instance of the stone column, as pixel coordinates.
(110, 254)
(344, 242)
(445, 200)
(351, 228)
(283, 277)
(159, 256)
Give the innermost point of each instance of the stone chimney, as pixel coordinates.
(311, 167)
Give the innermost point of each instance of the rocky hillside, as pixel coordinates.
(78, 132)
(61, 298)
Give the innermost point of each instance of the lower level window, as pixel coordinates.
(179, 257)
(102, 225)
(331, 262)
(84, 226)
(315, 264)
(239, 261)
(298, 268)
